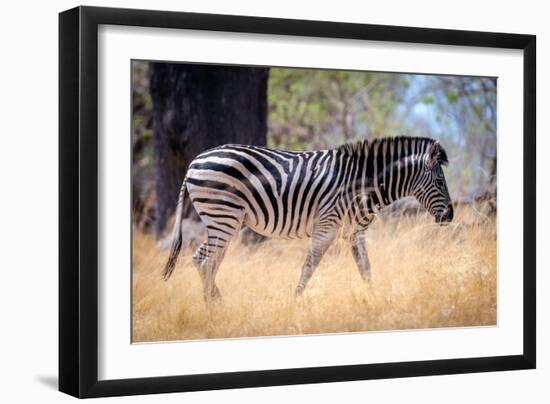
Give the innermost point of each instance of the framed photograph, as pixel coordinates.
(251, 201)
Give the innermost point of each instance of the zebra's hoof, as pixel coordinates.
(216, 295)
(213, 296)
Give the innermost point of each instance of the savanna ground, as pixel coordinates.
(424, 276)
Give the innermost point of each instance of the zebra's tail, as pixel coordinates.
(177, 237)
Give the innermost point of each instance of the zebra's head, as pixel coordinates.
(430, 189)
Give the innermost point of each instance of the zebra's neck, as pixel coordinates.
(385, 171)
(397, 181)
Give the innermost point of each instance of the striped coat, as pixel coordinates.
(313, 194)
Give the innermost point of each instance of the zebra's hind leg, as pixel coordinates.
(207, 259)
(210, 254)
(207, 264)
(320, 242)
(360, 255)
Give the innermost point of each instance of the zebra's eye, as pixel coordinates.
(439, 182)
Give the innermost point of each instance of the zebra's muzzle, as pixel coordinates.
(446, 216)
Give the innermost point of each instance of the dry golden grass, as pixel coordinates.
(424, 276)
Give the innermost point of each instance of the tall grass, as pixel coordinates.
(424, 276)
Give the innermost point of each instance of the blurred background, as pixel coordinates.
(180, 110)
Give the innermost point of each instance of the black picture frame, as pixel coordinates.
(78, 201)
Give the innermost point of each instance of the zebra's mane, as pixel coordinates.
(361, 147)
(354, 148)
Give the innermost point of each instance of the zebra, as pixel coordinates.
(299, 194)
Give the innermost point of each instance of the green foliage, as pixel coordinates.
(428, 100)
(452, 97)
(142, 131)
(322, 108)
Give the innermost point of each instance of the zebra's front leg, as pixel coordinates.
(360, 255)
(320, 242)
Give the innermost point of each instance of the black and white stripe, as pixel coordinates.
(314, 194)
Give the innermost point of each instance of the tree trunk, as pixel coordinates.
(197, 107)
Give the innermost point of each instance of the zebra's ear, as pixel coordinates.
(437, 155)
